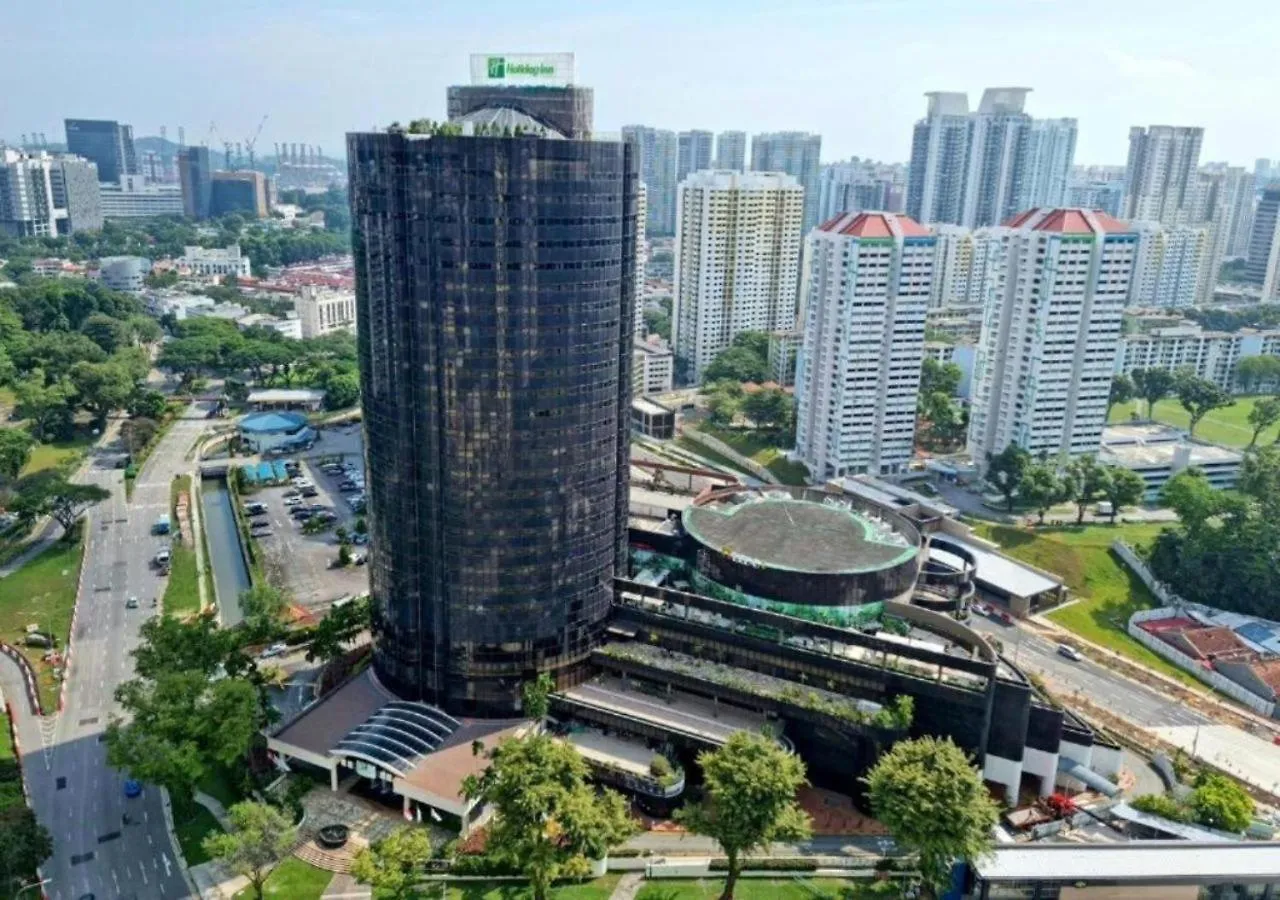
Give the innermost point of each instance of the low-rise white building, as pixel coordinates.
(220, 261)
(653, 368)
(1158, 452)
(124, 273)
(134, 198)
(1212, 355)
(322, 311)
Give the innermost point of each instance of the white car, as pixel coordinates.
(274, 650)
(293, 501)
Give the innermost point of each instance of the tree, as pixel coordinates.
(772, 409)
(724, 401)
(933, 801)
(1083, 480)
(1254, 372)
(15, 450)
(1004, 471)
(102, 388)
(147, 404)
(657, 322)
(1152, 385)
(1265, 413)
(1218, 802)
(1122, 487)
(342, 391)
(394, 865)
(748, 799)
(1199, 397)
(338, 628)
(1122, 391)
(1041, 488)
(48, 406)
(135, 434)
(939, 378)
(189, 356)
(263, 602)
(344, 554)
(1190, 495)
(260, 837)
(24, 844)
(548, 822)
(737, 364)
(50, 493)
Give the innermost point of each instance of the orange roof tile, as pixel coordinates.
(1066, 220)
(874, 225)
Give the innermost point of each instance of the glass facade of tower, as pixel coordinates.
(495, 282)
(107, 143)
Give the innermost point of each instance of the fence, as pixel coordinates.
(719, 446)
(1174, 606)
(28, 677)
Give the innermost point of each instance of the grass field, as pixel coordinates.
(292, 880)
(182, 594)
(192, 826)
(771, 889)
(1107, 591)
(751, 445)
(698, 450)
(1228, 426)
(43, 593)
(57, 454)
(599, 889)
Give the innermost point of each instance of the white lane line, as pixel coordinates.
(143, 870)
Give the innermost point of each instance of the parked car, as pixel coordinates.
(360, 559)
(293, 501)
(360, 539)
(274, 650)
(309, 492)
(302, 514)
(292, 492)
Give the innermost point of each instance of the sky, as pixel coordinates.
(854, 71)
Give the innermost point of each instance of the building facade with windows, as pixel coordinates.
(321, 311)
(658, 153)
(693, 153)
(1046, 356)
(653, 368)
(46, 195)
(731, 151)
(220, 261)
(106, 143)
(497, 480)
(1263, 265)
(796, 153)
(867, 290)
(195, 175)
(737, 257)
(1161, 174)
(133, 198)
(1170, 266)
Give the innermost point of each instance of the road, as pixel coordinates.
(76, 795)
(1136, 702)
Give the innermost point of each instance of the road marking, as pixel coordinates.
(165, 857)
(116, 879)
(143, 870)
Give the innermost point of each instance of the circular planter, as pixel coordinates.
(331, 837)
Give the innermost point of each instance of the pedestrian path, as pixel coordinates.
(215, 807)
(628, 886)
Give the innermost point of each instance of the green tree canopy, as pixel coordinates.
(1041, 488)
(50, 493)
(48, 406)
(102, 388)
(738, 364)
(933, 801)
(1218, 802)
(15, 450)
(339, 627)
(748, 799)
(1083, 480)
(939, 378)
(1122, 487)
(260, 837)
(394, 865)
(1199, 397)
(24, 846)
(1255, 372)
(1122, 391)
(1265, 413)
(1152, 385)
(1004, 471)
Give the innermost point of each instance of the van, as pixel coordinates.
(162, 558)
(1105, 508)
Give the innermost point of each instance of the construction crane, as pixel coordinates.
(249, 142)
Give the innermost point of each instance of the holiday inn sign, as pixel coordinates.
(548, 69)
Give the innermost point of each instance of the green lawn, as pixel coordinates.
(292, 880)
(43, 592)
(58, 453)
(182, 594)
(1228, 426)
(220, 786)
(771, 889)
(753, 446)
(6, 741)
(192, 826)
(599, 889)
(698, 450)
(1107, 591)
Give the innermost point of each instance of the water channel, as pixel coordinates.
(230, 571)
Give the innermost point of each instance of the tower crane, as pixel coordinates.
(249, 142)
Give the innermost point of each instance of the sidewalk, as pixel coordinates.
(215, 807)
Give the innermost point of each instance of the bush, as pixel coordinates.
(660, 767)
(480, 864)
(1160, 805)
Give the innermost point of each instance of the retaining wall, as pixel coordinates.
(719, 446)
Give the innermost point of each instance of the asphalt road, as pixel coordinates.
(1136, 702)
(76, 795)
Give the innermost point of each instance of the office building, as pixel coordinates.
(133, 198)
(658, 155)
(124, 273)
(693, 153)
(737, 257)
(1263, 265)
(195, 174)
(322, 311)
(1169, 266)
(46, 195)
(653, 367)
(1043, 368)
(731, 151)
(858, 374)
(239, 192)
(497, 481)
(543, 90)
(796, 153)
(215, 261)
(1160, 175)
(106, 143)
(978, 168)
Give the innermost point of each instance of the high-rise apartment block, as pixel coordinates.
(1160, 175)
(642, 256)
(658, 153)
(46, 195)
(195, 174)
(737, 257)
(858, 374)
(1168, 269)
(731, 151)
(106, 143)
(979, 168)
(497, 480)
(1263, 266)
(1224, 197)
(859, 185)
(796, 153)
(693, 153)
(1043, 368)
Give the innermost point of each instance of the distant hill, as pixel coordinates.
(167, 149)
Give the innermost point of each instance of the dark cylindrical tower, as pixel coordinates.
(495, 289)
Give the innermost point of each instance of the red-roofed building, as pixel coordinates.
(856, 389)
(1209, 644)
(1068, 221)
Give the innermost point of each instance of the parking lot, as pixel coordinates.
(303, 562)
